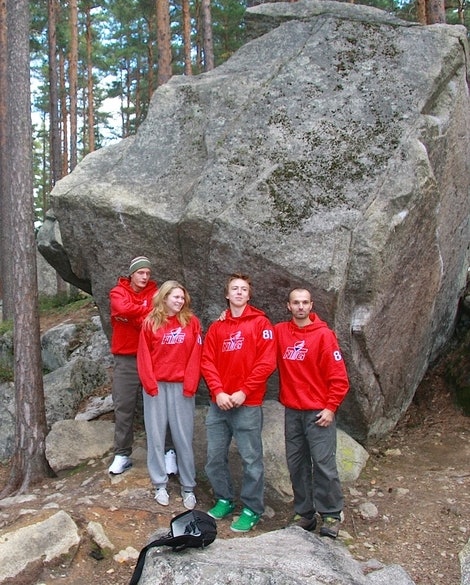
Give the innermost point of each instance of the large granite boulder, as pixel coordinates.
(331, 152)
(290, 556)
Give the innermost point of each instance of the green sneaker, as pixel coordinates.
(246, 521)
(221, 509)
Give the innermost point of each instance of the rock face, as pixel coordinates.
(331, 152)
(291, 555)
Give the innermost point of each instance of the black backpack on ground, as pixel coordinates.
(194, 529)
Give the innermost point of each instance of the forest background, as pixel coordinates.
(96, 64)
(78, 57)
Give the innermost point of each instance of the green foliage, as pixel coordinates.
(457, 371)
(125, 67)
(6, 353)
(6, 373)
(228, 28)
(63, 303)
(6, 327)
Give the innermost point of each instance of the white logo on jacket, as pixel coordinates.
(296, 352)
(234, 342)
(172, 337)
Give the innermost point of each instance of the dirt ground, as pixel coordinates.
(418, 479)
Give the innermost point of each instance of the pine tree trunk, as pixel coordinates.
(90, 95)
(5, 238)
(207, 35)
(73, 82)
(163, 41)
(54, 130)
(187, 37)
(29, 464)
(64, 116)
(435, 12)
(421, 11)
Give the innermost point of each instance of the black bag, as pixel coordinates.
(194, 529)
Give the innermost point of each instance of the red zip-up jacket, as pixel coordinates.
(128, 310)
(171, 354)
(311, 368)
(239, 353)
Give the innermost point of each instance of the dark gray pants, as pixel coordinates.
(311, 459)
(126, 392)
(244, 425)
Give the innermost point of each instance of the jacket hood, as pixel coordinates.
(248, 312)
(125, 282)
(315, 323)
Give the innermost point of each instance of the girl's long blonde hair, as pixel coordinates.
(158, 316)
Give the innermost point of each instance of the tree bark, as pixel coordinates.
(207, 43)
(54, 129)
(187, 37)
(5, 239)
(73, 82)
(435, 12)
(421, 11)
(150, 57)
(29, 464)
(64, 127)
(90, 94)
(163, 42)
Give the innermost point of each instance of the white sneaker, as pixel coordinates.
(170, 462)
(162, 497)
(120, 464)
(189, 500)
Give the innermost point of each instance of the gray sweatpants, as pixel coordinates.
(170, 408)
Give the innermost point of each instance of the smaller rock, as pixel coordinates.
(403, 491)
(128, 554)
(368, 510)
(31, 546)
(72, 442)
(392, 453)
(95, 407)
(97, 533)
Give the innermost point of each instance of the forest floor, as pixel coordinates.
(418, 478)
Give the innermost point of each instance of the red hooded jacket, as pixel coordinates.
(311, 368)
(171, 354)
(239, 353)
(128, 310)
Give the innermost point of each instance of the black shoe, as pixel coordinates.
(330, 527)
(305, 523)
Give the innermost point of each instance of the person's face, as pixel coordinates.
(300, 304)
(174, 301)
(140, 279)
(238, 293)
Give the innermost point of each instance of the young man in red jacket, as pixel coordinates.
(131, 302)
(238, 356)
(313, 383)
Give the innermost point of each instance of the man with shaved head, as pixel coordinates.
(313, 383)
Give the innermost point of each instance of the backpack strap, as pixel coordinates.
(194, 529)
(141, 560)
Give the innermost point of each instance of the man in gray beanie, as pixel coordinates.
(131, 301)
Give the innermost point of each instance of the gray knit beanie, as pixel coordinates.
(139, 262)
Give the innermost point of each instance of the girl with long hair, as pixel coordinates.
(168, 361)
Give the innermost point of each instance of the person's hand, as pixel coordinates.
(238, 398)
(325, 418)
(223, 315)
(224, 401)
